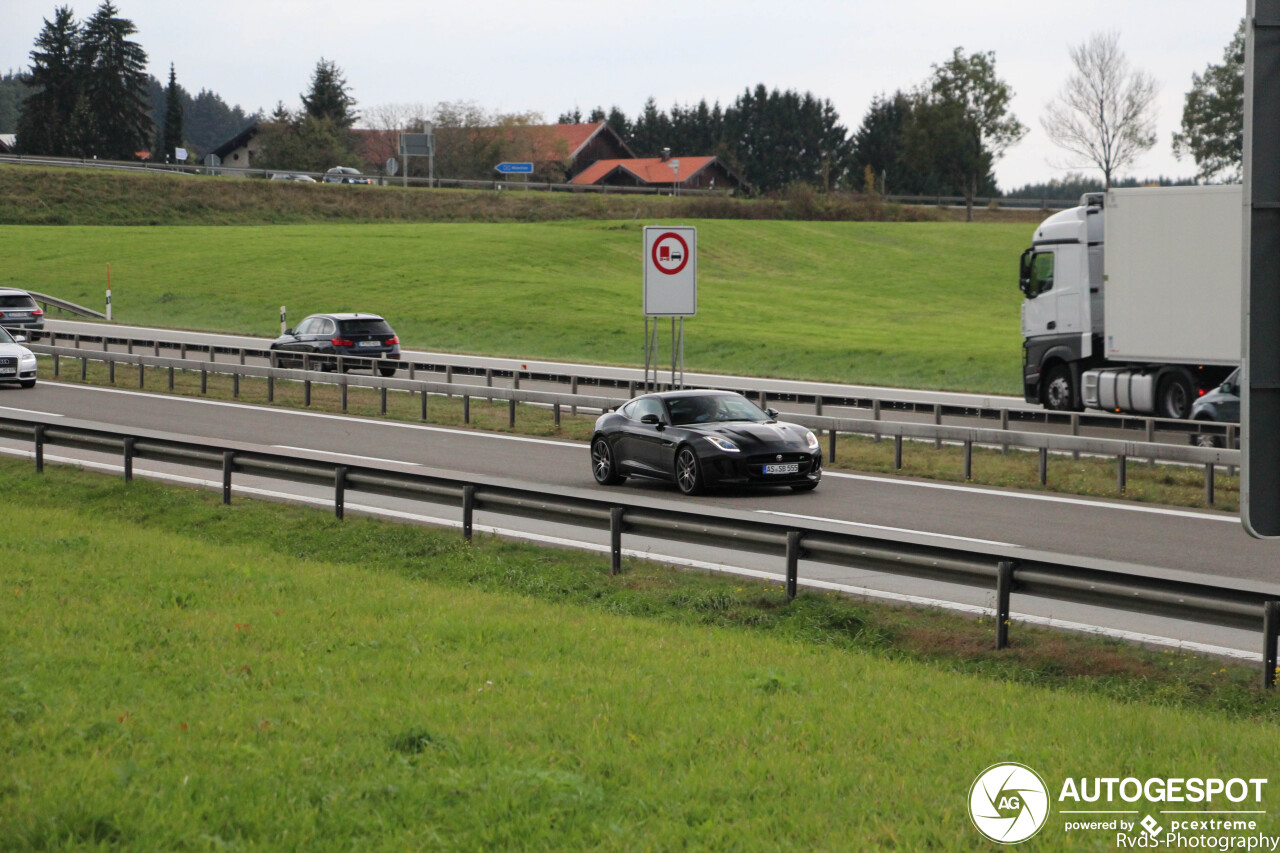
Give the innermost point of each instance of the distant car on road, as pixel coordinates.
(1220, 404)
(366, 335)
(17, 363)
(345, 175)
(699, 439)
(291, 176)
(18, 310)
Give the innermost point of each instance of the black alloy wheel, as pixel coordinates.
(602, 464)
(688, 471)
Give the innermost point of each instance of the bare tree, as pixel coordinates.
(1106, 111)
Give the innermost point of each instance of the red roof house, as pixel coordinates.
(689, 172)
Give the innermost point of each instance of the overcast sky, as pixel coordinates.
(551, 55)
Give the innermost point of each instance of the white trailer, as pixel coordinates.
(1133, 300)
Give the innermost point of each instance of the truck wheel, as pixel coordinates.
(1060, 389)
(1175, 396)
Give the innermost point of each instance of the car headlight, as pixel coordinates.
(723, 443)
(811, 439)
(26, 358)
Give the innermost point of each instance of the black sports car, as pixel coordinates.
(698, 439)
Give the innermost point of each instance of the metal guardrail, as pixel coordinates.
(1249, 605)
(63, 305)
(1222, 434)
(1044, 443)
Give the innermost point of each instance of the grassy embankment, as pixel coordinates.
(178, 674)
(932, 305)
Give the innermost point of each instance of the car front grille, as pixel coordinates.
(9, 361)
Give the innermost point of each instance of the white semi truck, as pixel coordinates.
(1133, 300)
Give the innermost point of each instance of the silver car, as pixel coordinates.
(17, 363)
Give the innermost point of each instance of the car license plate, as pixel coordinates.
(8, 371)
(790, 468)
(369, 344)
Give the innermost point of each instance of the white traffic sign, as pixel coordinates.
(670, 271)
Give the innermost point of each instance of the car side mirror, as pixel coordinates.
(19, 339)
(773, 413)
(1227, 388)
(651, 420)
(288, 331)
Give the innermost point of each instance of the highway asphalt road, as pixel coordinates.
(1198, 541)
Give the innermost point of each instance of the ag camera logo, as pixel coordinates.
(1008, 803)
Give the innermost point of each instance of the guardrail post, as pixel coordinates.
(631, 389)
(141, 376)
(213, 353)
(897, 452)
(204, 380)
(1122, 472)
(511, 414)
(1004, 425)
(235, 385)
(764, 399)
(55, 365)
(242, 355)
(39, 439)
(793, 563)
(228, 460)
(84, 367)
(383, 402)
(1231, 445)
(271, 389)
(468, 510)
(182, 350)
(488, 377)
(968, 460)
(1075, 430)
(157, 349)
(1208, 483)
(413, 367)
(339, 491)
(128, 345)
(466, 409)
(615, 539)
(555, 413)
(1004, 586)
(1151, 437)
(77, 340)
(1270, 634)
(341, 367)
(448, 375)
(424, 404)
(573, 389)
(1044, 466)
(515, 379)
(831, 446)
(342, 389)
(111, 372)
(817, 405)
(306, 392)
(875, 414)
(171, 377)
(128, 458)
(937, 421)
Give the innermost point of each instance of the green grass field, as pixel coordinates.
(932, 305)
(181, 675)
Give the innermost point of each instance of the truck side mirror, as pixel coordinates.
(1024, 275)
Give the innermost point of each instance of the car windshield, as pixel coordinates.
(713, 409)
(5, 337)
(17, 300)
(365, 327)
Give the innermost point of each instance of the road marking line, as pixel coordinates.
(685, 562)
(32, 412)
(890, 529)
(949, 487)
(331, 416)
(347, 455)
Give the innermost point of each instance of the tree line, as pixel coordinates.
(87, 93)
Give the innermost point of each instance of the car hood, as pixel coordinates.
(11, 350)
(751, 436)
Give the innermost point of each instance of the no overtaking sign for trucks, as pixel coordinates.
(670, 271)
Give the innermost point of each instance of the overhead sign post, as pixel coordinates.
(1260, 359)
(670, 290)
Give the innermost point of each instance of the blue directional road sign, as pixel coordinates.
(515, 168)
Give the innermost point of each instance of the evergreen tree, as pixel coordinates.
(48, 115)
(329, 97)
(172, 136)
(13, 89)
(878, 143)
(775, 138)
(1213, 117)
(117, 121)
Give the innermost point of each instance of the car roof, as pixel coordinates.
(690, 392)
(355, 315)
(9, 291)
